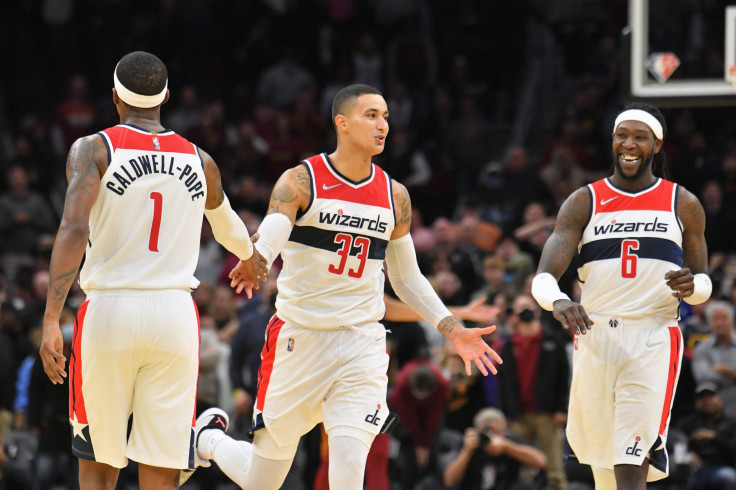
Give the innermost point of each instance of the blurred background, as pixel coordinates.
(499, 110)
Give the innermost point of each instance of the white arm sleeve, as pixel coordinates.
(409, 284)
(702, 291)
(546, 290)
(274, 233)
(229, 230)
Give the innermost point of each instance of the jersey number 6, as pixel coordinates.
(629, 258)
(346, 244)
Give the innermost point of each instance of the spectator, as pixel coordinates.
(281, 83)
(465, 393)
(494, 277)
(223, 313)
(367, 62)
(714, 359)
(487, 456)
(533, 386)
(75, 115)
(711, 441)
(418, 396)
(24, 217)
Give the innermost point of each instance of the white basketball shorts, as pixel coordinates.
(333, 376)
(625, 374)
(135, 352)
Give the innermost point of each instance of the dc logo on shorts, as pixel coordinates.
(633, 450)
(156, 145)
(575, 342)
(290, 345)
(613, 323)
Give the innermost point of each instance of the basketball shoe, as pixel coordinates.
(212, 418)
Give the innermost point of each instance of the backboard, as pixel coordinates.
(680, 52)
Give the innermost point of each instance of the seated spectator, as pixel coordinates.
(711, 441)
(714, 359)
(694, 328)
(488, 457)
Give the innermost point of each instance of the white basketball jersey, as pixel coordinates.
(145, 225)
(631, 241)
(333, 262)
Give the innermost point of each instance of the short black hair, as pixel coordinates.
(659, 160)
(142, 73)
(349, 95)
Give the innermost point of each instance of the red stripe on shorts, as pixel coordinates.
(76, 398)
(268, 354)
(199, 343)
(675, 347)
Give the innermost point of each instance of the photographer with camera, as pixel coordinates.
(489, 457)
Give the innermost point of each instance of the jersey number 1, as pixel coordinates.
(346, 242)
(629, 258)
(158, 205)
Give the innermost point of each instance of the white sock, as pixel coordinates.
(206, 442)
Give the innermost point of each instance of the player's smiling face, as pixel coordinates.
(634, 147)
(369, 123)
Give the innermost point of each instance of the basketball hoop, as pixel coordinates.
(732, 75)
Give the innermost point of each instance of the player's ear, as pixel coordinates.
(166, 97)
(658, 145)
(115, 97)
(341, 122)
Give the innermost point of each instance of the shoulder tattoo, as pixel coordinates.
(81, 168)
(404, 212)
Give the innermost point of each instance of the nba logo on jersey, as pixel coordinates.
(290, 345)
(156, 146)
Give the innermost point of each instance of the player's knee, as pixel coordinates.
(352, 432)
(265, 446)
(349, 447)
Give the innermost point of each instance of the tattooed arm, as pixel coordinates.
(559, 251)
(291, 194)
(416, 291)
(692, 217)
(86, 162)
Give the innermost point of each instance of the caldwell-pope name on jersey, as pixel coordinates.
(341, 219)
(155, 164)
(628, 227)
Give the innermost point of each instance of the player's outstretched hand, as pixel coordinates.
(572, 316)
(470, 345)
(681, 282)
(52, 347)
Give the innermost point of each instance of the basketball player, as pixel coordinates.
(334, 219)
(641, 251)
(137, 193)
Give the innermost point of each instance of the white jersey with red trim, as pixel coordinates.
(333, 262)
(631, 241)
(146, 222)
